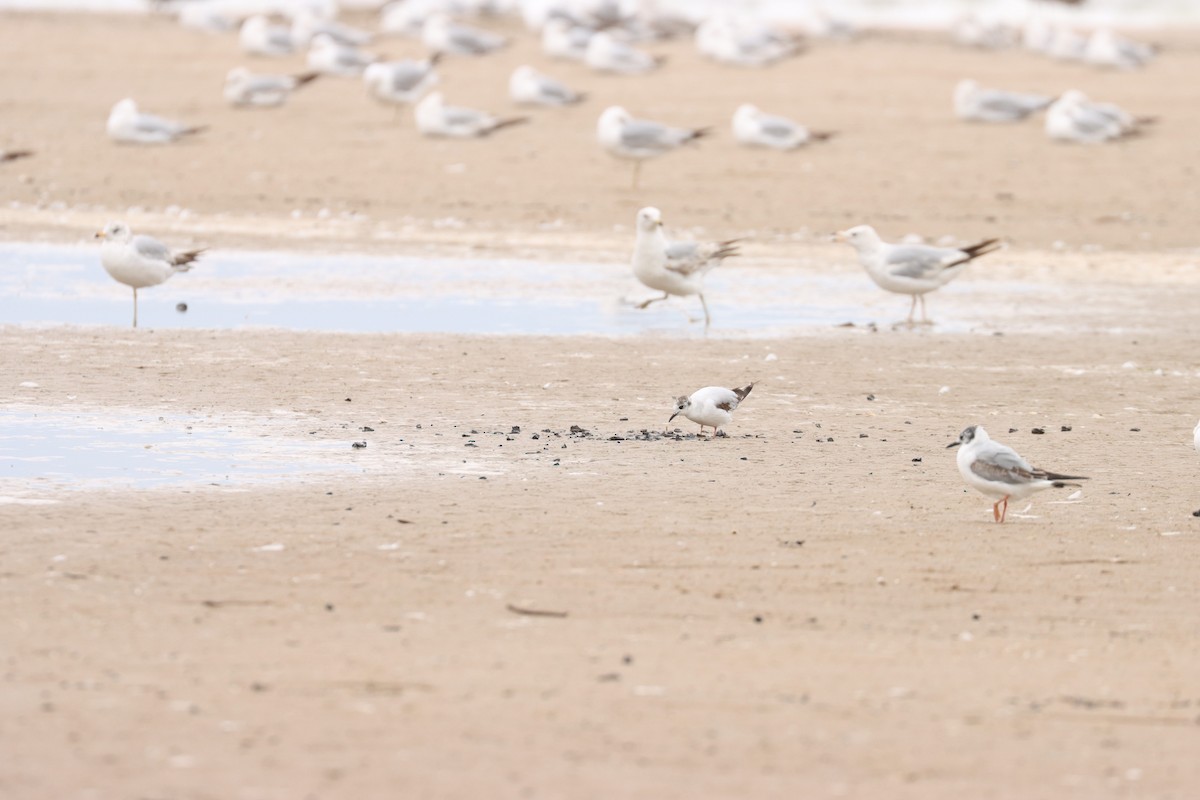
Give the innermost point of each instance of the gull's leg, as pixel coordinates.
(996, 511)
(653, 300)
(135, 306)
(637, 168)
(912, 310)
(924, 315)
(707, 317)
(1004, 511)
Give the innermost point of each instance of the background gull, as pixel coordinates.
(997, 470)
(530, 87)
(244, 88)
(563, 40)
(443, 35)
(742, 42)
(912, 269)
(401, 82)
(140, 261)
(1074, 118)
(712, 406)
(129, 126)
(306, 24)
(638, 139)
(976, 104)
(608, 54)
(674, 268)
(435, 118)
(328, 57)
(258, 37)
(754, 128)
(1108, 49)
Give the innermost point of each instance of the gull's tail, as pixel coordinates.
(821, 136)
(13, 155)
(696, 133)
(193, 129)
(741, 393)
(725, 249)
(1060, 481)
(505, 123)
(182, 261)
(305, 77)
(982, 249)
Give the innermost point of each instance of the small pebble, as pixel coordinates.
(358, 445)
(1065, 429)
(181, 308)
(1038, 431)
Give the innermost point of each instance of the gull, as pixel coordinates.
(712, 406)
(129, 126)
(999, 472)
(1107, 49)
(258, 37)
(974, 31)
(442, 35)
(530, 87)
(1074, 118)
(608, 54)
(140, 261)
(912, 269)
(1067, 44)
(202, 17)
(745, 44)
(306, 25)
(401, 82)
(976, 104)
(435, 118)
(624, 136)
(674, 268)
(14, 155)
(754, 128)
(245, 88)
(562, 40)
(328, 57)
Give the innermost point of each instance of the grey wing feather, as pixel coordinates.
(1003, 464)
(640, 133)
(917, 261)
(148, 247)
(457, 115)
(777, 126)
(407, 77)
(1013, 104)
(556, 90)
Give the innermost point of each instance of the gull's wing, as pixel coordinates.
(470, 39)
(1013, 104)
(457, 115)
(642, 133)
(555, 90)
(997, 462)
(719, 396)
(920, 261)
(687, 258)
(151, 248)
(407, 76)
(1089, 120)
(777, 127)
(148, 123)
(269, 83)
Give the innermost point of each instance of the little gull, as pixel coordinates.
(624, 136)
(129, 126)
(976, 104)
(753, 128)
(140, 261)
(527, 86)
(258, 37)
(998, 472)
(912, 269)
(401, 82)
(435, 118)
(245, 88)
(712, 406)
(674, 268)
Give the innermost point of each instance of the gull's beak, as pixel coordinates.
(953, 444)
(99, 235)
(658, 224)
(673, 416)
(840, 236)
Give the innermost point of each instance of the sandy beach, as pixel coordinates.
(485, 601)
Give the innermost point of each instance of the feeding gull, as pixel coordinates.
(140, 261)
(712, 406)
(674, 268)
(997, 471)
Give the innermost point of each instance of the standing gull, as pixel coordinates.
(443, 35)
(140, 261)
(912, 269)
(129, 126)
(244, 88)
(626, 137)
(998, 472)
(674, 268)
(530, 87)
(435, 118)
(712, 406)
(753, 128)
(401, 82)
(976, 104)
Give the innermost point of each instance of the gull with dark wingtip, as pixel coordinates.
(710, 407)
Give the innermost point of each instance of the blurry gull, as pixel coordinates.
(14, 155)
(1066, 44)
(997, 471)
(443, 35)
(912, 269)
(129, 126)
(975, 31)
(976, 104)
(712, 406)
(140, 261)
(674, 268)
(328, 57)
(739, 42)
(1074, 118)
(306, 25)
(258, 37)
(754, 128)
(203, 17)
(563, 40)
(608, 54)
(245, 88)
(1107, 49)
(401, 82)
(435, 118)
(530, 87)
(626, 137)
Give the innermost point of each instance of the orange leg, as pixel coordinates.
(1004, 511)
(996, 511)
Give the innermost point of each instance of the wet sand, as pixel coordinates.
(814, 606)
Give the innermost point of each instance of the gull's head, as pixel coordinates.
(255, 24)
(323, 41)
(746, 111)
(437, 21)
(237, 75)
(681, 405)
(524, 73)
(1072, 97)
(649, 219)
(124, 109)
(614, 116)
(431, 102)
(970, 434)
(860, 236)
(115, 231)
(375, 73)
(964, 89)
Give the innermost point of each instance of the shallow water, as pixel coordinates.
(58, 285)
